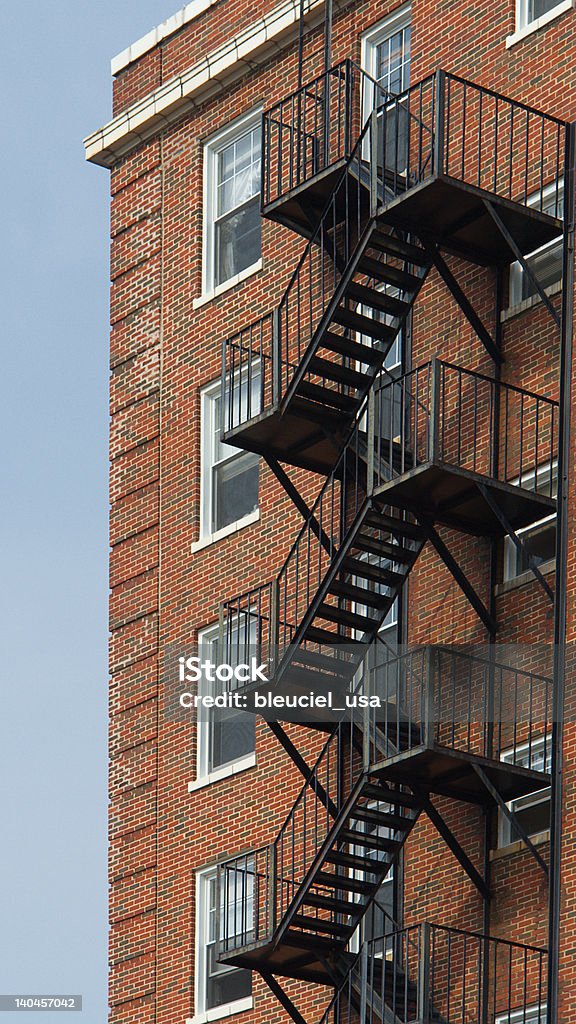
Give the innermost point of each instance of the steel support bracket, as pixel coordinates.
(522, 260)
(292, 492)
(512, 817)
(491, 501)
(465, 305)
(462, 581)
(450, 839)
(282, 997)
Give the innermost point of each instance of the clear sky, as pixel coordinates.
(55, 80)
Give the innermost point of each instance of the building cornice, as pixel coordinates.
(167, 28)
(211, 75)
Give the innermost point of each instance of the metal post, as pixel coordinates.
(428, 704)
(274, 627)
(439, 122)
(561, 577)
(371, 439)
(434, 428)
(424, 975)
(276, 358)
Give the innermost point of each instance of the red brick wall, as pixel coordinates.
(162, 352)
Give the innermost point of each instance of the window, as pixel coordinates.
(532, 810)
(229, 483)
(539, 538)
(530, 1015)
(386, 58)
(219, 988)
(545, 262)
(534, 14)
(232, 204)
(225, 737)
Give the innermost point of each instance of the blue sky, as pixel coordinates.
(55, 79)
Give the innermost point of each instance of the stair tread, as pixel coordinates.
(372, 572)
(343, 882)
(325, 397)
(370, 864)
(336, 666)
(385, 819)
(347, 347)
(324, 636)
(338, 372)
(379, 300)
(392, 275)
(365, 325)
(391, 796)
(397, 552)
(350, 835)
(339, 588)
(392, 244)
(392, 525)
(341, 906)
(348, 618)
(319, 924)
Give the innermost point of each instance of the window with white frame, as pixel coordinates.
(386, 59)
(229, 476)
(232, 203)
(546, 261)
(533, 809)
(537, 13)
(539, 538)
(219, 987)
(225, 737)
(531, 1015)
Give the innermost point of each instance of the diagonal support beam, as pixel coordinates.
(450, 839)
(304, 769)
(466, 306)
(282, 476)
(491, 501)
(283, 998)
(522, 261)
(464, 584)
(512, 818)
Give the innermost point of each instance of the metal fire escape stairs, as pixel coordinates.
(369, 272)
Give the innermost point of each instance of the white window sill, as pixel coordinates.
(226, 531)
(546, 568)
(519, 847)
(538, 23)
(213, 293)
(219, 1012)
(533, 300)
(233, 768)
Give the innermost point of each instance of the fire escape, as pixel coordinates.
(383, 188)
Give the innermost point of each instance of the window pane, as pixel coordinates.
(393, 61)
(223, 984)
(539, 543)
(233, 736)
(238, 241)
(536, 8)
(238, 172)
(235, 489)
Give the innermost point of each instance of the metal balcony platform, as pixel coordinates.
(305, 435)
(452, 496)
(441, 209)
(450, 772)
(295, 956)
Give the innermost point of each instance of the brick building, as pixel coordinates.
(342, 239)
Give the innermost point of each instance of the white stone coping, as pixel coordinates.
(156, 35)
(209, 76)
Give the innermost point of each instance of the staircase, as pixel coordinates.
(351, 865)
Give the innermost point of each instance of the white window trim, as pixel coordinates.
(515, 303)
(226, 1009)
(524, 1016)
(504, 838)
(212, 147)
(522, 31)
(510, 550)
(224, 771)
(207, 537)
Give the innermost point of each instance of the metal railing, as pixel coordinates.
(440, 412)
(429, 973)
(463, 699)
(444, 123)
